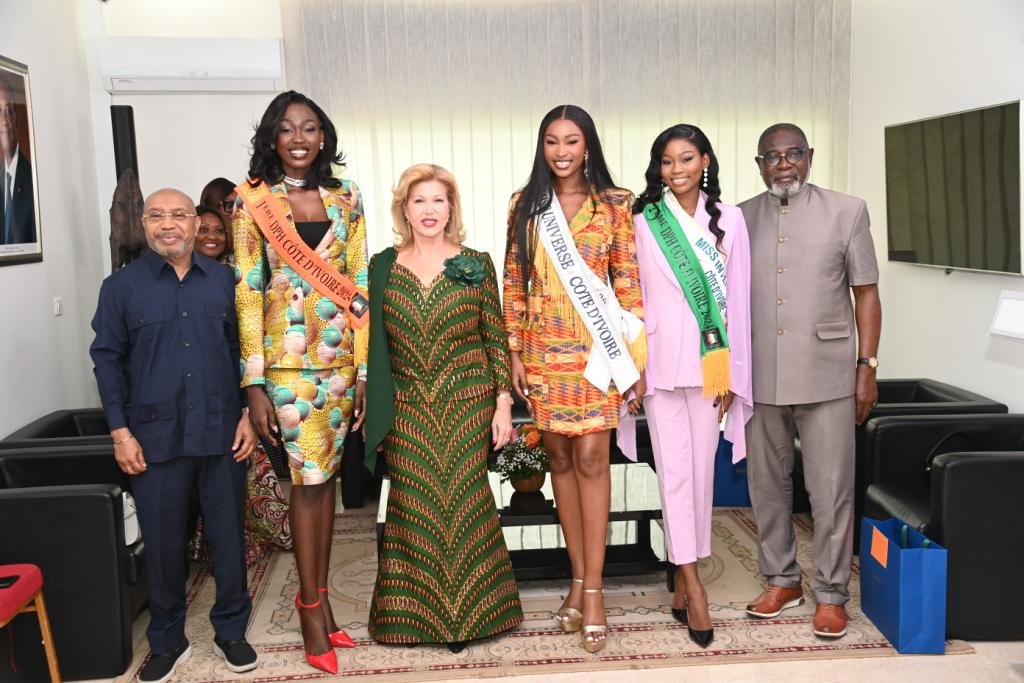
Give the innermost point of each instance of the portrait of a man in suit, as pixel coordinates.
(17, 204)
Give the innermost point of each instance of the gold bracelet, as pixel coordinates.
(124, 440)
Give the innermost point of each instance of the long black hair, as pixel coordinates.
(265, 163)
(655, 187)
(538, 193)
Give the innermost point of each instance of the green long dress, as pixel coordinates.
(444, 574)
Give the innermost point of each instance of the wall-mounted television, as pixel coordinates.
(952, 186)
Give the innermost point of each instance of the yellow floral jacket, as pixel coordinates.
(283, 322)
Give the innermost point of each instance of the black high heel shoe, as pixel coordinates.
(679, 614)
(702, 638)
(457, 647)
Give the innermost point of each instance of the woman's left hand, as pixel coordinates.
(359, 409)
(723, 403)
(501, 425)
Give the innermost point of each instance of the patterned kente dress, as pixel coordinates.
(296, 342)
(444, 573)
(548, 332)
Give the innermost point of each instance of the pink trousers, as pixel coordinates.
(684, 435)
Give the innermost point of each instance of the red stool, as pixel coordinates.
(26, 595)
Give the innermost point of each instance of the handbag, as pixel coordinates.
(730, 487)
(278, 458)
(903, 585)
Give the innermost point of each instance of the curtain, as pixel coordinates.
(464, 84)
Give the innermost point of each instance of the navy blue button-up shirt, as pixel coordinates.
(166, 356)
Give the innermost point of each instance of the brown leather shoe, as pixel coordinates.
(830, 620)
(773, 600)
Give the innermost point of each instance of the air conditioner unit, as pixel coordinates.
(184, 65)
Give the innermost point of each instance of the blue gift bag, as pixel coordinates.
(730, 480)
(903, 585)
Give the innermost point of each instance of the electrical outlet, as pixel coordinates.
(58, 306)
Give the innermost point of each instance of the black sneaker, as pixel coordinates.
(238, 654)
(160, 668)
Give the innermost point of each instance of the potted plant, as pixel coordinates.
(523, 461)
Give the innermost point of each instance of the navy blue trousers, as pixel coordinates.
(162, 497)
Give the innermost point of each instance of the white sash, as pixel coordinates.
(711, 261)
(609, 325)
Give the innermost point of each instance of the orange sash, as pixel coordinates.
(325, 279)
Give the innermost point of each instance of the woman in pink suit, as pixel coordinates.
(694, 258)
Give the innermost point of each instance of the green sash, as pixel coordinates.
(714, 342)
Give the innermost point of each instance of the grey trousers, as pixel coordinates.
(826, 437)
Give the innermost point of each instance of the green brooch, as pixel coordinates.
(465, 270)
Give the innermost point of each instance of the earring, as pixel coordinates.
(705, 178)
(586, 165)
(321, 145)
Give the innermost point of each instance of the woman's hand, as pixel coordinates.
(519, 376)
(636, 396)
(501, 424)
(245, 439)
(723, 403)
(261, 413)
(359, 412)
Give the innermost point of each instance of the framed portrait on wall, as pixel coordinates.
(21, 238)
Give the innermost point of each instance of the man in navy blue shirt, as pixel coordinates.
(167, 367)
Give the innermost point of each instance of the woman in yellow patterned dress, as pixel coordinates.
(300, 353)
(551, 345)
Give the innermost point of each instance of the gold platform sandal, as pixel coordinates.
(594, 635)
(570, 618)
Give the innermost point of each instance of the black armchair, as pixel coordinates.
(958, 479)
(62, 510)
(896, 397)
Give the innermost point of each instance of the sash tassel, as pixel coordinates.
(714, 368)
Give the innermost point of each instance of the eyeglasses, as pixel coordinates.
(159, 216)
(214, 229)
(227, 205)
(772, 159)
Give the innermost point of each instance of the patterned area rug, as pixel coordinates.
(642, 632)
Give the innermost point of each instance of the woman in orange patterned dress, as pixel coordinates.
(551, 345)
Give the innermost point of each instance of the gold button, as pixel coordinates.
(782, 331)
(779, 301)
(781, 240)
(779, 270)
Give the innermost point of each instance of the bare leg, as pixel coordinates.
(305, 510)
(326, 513)
(698, 613)
(679, 594)
(567, 500)
(593, 480)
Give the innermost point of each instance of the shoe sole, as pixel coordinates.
(170, 674)
(232, 667)
(768, 615)
(829, 634)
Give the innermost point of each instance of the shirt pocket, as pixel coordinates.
(154, 420)
(218, 319)
(828, 331)
(144, 329)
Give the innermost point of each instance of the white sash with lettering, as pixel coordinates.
(711, 260)
(609, 325)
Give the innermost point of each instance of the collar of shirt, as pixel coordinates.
(13, 166)
(157, 262)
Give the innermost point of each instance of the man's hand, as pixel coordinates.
(359, 411)
(867, 392)
(245, 439)
(127, 452)
(261, 413)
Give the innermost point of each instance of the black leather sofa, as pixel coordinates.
(61, 508)
(959, 479)
(896, 397)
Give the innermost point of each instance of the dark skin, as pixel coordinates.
(580, 474)
(311, 508)
(866, 301)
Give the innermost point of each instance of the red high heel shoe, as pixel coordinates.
(327, 661)
(339, 638)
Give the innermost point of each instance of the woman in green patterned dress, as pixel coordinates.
(439, 359)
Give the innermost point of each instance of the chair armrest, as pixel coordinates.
(61, 466)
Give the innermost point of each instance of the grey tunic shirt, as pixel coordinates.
(803, 263)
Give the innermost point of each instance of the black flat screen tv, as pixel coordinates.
(952, 186)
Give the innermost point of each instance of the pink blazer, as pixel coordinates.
(673, 339)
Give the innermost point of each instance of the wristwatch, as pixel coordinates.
(870, 362)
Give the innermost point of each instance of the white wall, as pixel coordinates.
(45, 358)
(914, 59)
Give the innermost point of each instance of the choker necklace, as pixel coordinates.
(297, 182)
